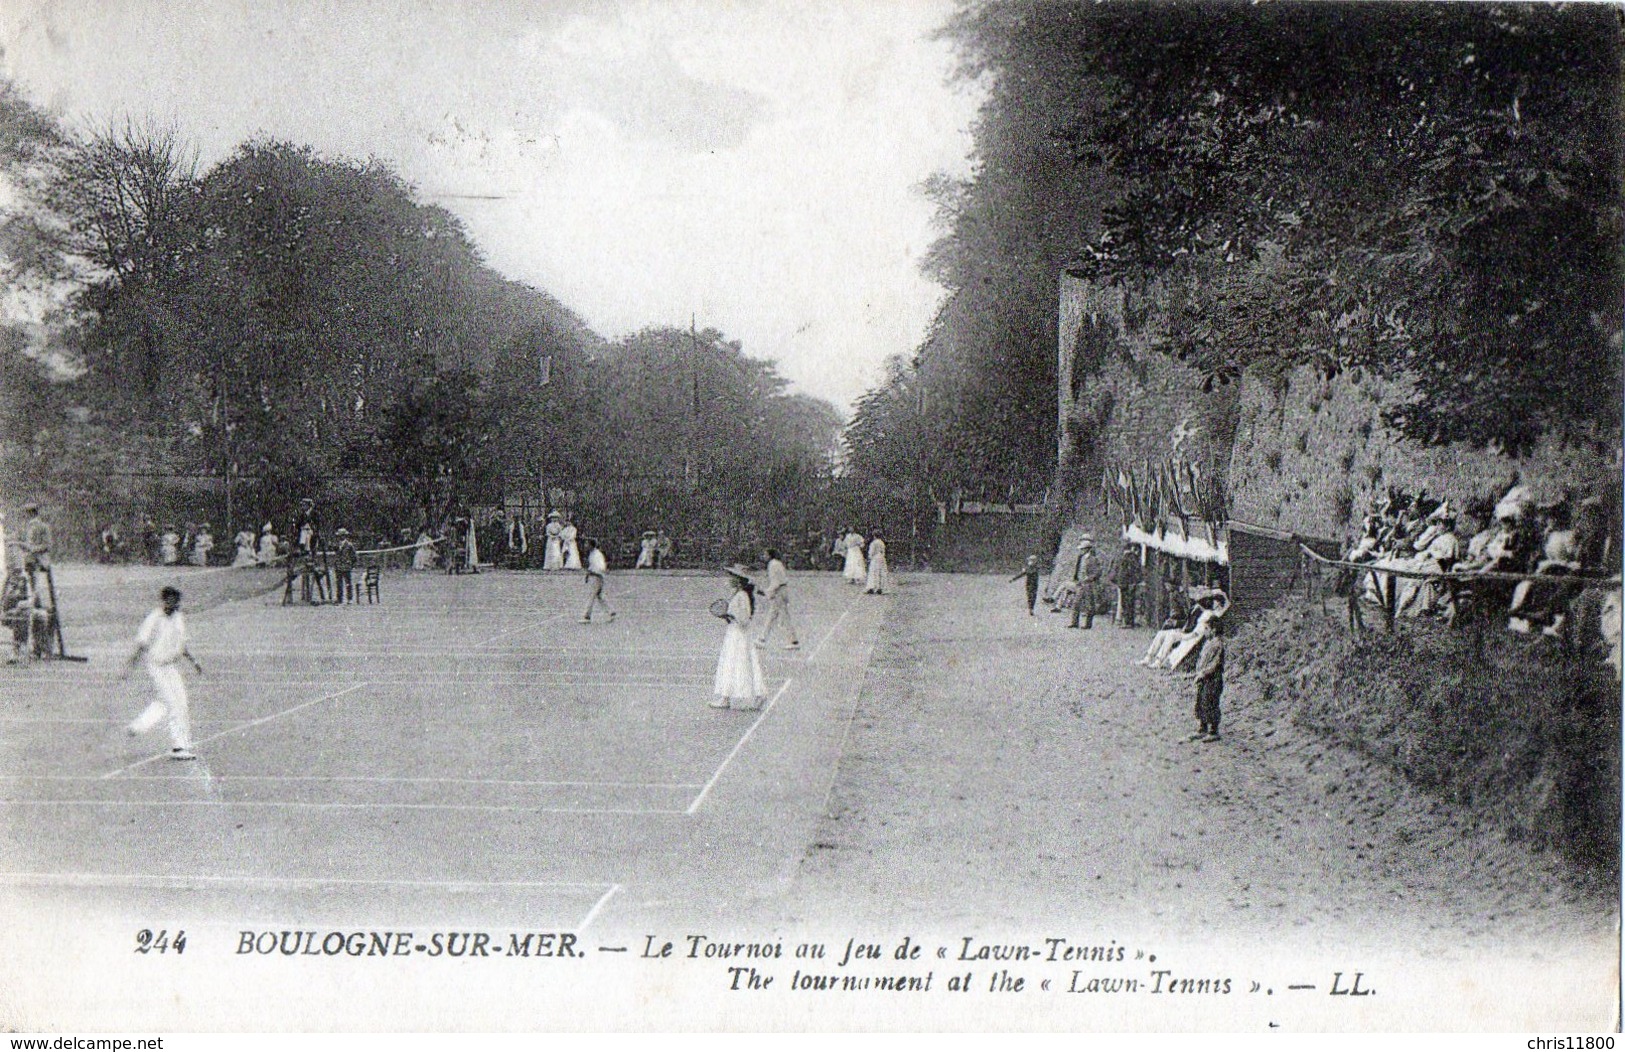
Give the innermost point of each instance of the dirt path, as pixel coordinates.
(1003, 772)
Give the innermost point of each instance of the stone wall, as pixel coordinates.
(1122, 401)
(1300, 453)
(1311, 455)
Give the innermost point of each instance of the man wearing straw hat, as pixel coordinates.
(1086, 572)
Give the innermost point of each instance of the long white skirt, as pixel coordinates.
(856, 569)
(739, 668)
(572, 556)
(879, 576)
(553, 555)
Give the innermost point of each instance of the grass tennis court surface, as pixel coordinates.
(465, 752)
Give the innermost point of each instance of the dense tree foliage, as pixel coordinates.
(1427, 190)
(289, 317)
(681, 404)
(36, 274)
(1433, 188)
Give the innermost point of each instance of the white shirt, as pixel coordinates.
(1444, 547)
(164, 636)
(777, 577)
(596, 563)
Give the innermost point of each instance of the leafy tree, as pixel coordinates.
(1421, 188)
(436, 438)
(130, 191)
(37, 275)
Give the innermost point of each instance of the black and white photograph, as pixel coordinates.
(868, 516)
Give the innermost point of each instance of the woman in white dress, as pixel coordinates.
(471, 544)
(553, 554)
(879, 577)
(739, 682)
(646, 552)
(202, 545)
(567, 540)
(857, 571)
(267, 549)
(169, 547)
(423, 552)
(245, 549)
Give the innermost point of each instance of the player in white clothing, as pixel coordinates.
(778, 602)
(597, 568)
(162, 643)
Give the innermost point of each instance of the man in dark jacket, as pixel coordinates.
(1086, 572)
(1126, 576)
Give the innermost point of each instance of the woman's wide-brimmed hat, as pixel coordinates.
(737, 570)
(554, 515)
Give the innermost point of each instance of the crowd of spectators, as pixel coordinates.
(1567, 537)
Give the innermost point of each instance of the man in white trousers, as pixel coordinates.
(778, 602)
(162, 643)
(597, 568)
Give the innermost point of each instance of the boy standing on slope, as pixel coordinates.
(1209, 680)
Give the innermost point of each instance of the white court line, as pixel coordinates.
(521, 628)
(840, 750)
(517, 678)
(329, 805)
(350, 778)
(450, 680)
(243, 727)
(143, 880)
(838, 622)
(698, 800)
(592, 914)
(62, 719)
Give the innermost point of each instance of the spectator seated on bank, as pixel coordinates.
(1186, 611)
(1211, 604)
(1516, 534)
(1536, 604)
(1173, 627)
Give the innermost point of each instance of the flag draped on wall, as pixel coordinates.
(1144, 495)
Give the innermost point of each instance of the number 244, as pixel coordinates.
(147, 942)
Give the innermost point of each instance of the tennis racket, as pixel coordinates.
(719, 608)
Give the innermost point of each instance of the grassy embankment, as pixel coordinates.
(1519, 737)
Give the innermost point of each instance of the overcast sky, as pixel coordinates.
(753, 162)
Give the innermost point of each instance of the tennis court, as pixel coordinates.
(463, 753)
